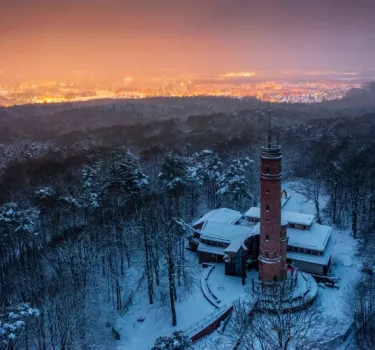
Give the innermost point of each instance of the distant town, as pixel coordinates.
(289, 87)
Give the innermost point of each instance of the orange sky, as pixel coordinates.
(186, 35)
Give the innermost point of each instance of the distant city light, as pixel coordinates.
(238, 75)
(81, 88)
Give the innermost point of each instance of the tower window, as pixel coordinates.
(267, 221)
(268, 192)
(267, 238)
(267, 208)
(267, 255)
(267, 170)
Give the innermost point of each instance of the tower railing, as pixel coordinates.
(271, 289)
(271, 141)
(273, 151)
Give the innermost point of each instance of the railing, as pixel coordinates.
(206, 321)
(210, 296)
(330, 281)
(270, 289)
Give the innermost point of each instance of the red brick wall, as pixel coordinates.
(272, 262)
(211, 327)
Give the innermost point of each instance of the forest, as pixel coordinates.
(90, 215)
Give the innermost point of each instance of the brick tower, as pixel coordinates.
(273, 238)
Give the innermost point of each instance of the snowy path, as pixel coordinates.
(226, 288)
(206, 287)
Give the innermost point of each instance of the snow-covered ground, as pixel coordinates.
(346, 266)
(226, 288)
(344, 263)
(141, 335)
(195, 307)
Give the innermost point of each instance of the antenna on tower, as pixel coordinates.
(269, 134)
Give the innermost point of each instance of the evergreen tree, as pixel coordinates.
(126, 177)
(233, 184)
(174, 173)
(127, 181)
(13, 322)
(91, 187)
(177, 341)
(209, 170)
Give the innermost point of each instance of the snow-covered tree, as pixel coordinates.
(91, 187)
(45, 193)
(24, 220)
(177, 341)
(13, 322)
(209, 171)
(174, 173)
(360, 308)
(357, 184)
(18, 229)
(280, 329)
(126, 177)
(233, 184)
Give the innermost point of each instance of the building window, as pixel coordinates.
(267, 221)
(304, 227)
(279, 168)
(267, 170)
(267, 208)
(268, 192)
(267, 238)
(267, 255)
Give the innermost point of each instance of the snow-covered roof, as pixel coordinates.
(206, 248)
(291, 217)
(235, 245)
(255, 230)
(314, 259)
(223, 215)
(315, 238)
(216, 231)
